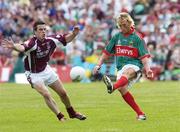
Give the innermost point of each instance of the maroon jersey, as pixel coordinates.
(38, 52)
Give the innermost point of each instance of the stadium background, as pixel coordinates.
(157, 20)
(21, 108)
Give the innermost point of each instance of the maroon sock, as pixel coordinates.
(60, 116)
(130, 100)
(120, 83)
(71, 112)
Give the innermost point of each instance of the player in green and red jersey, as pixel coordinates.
(131, 56)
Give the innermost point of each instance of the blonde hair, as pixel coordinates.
(125, 16)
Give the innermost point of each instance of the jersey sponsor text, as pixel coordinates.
(126, 51)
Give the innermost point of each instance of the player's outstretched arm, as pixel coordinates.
(69, 37)
(8, 43)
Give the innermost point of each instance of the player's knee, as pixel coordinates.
(46, 95)
(129, 73)
(123, 90)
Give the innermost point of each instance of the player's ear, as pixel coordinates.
(34, 32)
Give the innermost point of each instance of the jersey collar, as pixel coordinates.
(132, 29)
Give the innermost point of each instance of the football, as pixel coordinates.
(77, 73)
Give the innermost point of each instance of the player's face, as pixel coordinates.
(41, 32)
(124, 25)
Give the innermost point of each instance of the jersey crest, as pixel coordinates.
(131, 43)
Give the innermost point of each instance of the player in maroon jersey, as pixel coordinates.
(131, 55)
(38, 50)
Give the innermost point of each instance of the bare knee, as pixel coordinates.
(129, 73)
(46, 95)
(123, 90)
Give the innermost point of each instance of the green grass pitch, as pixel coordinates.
(23, 109)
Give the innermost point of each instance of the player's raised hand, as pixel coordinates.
(76, 30)
(7, 43)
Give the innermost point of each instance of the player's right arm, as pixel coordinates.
(108, 51)
(11, 45)
(100, 62)
(145, 58)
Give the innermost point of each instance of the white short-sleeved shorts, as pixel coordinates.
(136, 68)
(48, 76)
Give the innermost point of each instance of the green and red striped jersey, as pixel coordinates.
(128, 49)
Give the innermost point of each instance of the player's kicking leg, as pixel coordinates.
(129, 99)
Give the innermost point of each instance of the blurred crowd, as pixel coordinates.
(157, 20)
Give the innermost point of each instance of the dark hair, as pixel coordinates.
(39, 22)
(153, 43)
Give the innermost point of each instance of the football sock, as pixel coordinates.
(60, 116)
(120, 83)
(71, 112)
(130, 100)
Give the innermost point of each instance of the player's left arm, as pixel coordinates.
(70, 36)
(147, 67)
(145, 58)
(65, 38)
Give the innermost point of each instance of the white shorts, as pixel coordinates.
(137, 70)
(48, 76)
